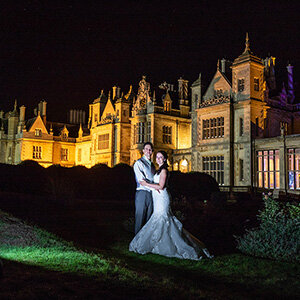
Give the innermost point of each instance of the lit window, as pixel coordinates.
(37, 152)
(103, 141)
(167, 134)
(167, 106)
(140, 133)
(79, 154)
(175, 166)
(184, 166)
(38, 132)
(149, 131)
(64, 154)
(268, 169)
(294, 168)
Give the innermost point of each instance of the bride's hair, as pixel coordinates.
(165, 164)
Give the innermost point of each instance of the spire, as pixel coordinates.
(109, 95)
(80, 131)
(218, 65)
(15, 105)
(247, 44)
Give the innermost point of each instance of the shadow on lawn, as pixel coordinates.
(191, 275)
(23, 281)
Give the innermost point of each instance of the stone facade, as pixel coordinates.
(243, 119)
(118, 125)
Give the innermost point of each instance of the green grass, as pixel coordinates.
(231, 275)
(252, 273)
(31, 245)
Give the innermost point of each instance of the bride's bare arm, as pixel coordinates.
(157, 186)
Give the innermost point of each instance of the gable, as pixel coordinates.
(168, 98)
(218, 83)
(108, 110)
(38, 124)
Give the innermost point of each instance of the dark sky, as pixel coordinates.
(65, 52)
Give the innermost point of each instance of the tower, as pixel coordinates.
(248, 113)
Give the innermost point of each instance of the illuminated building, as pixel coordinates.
(242, 130)
(245, 132)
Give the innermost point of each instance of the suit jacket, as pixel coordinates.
(143, 170)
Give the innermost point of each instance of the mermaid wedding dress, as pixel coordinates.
(163, 233)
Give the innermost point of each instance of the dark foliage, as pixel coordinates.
(198, 186)
(28, 177)
(1, 269)
(278, 234)
(65, 184)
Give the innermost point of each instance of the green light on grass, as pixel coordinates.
(58, 259)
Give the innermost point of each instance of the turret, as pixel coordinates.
(183, 97)
(269, 63)
(123, 107)
(13, 119)
(196, 93)
(290, 89)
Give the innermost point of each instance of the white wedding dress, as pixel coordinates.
(163, 233)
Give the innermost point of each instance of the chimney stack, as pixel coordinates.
(22, 113)
(44, 111)
(223, 65)
(118, 92)
(114, 88)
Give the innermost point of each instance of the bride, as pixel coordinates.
(163, 234)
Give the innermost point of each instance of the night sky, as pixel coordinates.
(65, 52)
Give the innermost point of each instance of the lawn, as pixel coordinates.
(82, 252)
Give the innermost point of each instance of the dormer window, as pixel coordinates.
(167, 106)
(38, 132)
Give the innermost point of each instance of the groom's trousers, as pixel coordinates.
(143, 208)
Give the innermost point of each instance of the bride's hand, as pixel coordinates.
(143, 182)
(157, 189)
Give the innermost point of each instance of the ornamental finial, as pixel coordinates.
(247, 43)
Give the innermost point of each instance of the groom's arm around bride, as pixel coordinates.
(143, 170)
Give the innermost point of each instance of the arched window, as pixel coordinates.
(175, 166)
(184, 165)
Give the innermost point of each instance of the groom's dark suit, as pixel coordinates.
(143, 170)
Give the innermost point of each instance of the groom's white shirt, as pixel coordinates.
(143, 170)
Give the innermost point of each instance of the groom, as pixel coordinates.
(143, 170)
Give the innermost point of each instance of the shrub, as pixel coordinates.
(278, 235)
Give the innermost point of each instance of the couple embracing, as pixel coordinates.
(163, 233)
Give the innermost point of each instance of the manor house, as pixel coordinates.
(244, 129)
